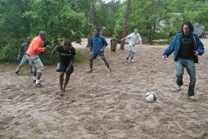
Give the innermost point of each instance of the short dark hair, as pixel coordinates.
(67, 42)
(189, 24)
(97, 29)
(42, 33)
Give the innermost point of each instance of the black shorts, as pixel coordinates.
(63, 68)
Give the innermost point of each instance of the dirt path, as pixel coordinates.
(105, 105)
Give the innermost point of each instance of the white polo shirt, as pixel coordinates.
(133, 38)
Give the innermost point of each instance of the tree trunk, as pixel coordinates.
(113, 5)
(125, 24)
(91, 20)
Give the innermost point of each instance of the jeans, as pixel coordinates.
(22, 63)
(190, 67)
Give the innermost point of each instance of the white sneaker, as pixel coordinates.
(132, 60)
(192, 98)
(178, 88)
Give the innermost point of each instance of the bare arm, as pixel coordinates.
(53, 53)
(70, 64)
(123, 38)
(140, 42)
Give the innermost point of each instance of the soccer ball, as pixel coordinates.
(151, 97)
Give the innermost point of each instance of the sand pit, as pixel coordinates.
(104, 105)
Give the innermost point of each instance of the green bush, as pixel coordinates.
(9, 52)
(80, 57)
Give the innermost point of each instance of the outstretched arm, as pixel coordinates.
(53, 53)
(124, 38)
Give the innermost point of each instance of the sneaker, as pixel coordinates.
(127, 60)
(90, 71)
(178, 88)
(192, 98)
(132, 60)
(16, 73)
(38, 85)
(61, 93)
(109, 70)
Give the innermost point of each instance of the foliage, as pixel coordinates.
(9, 52)
(28, 17)
(147, 15)
(62, 19)
(107, 18)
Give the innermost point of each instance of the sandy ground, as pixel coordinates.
(104, 105)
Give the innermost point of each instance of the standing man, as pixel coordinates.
(186, 46)
(33, 52)
(98, 44)
(65, 65)
(133, 39)
(23, 49)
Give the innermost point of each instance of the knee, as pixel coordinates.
(61, 74)
(40, 69)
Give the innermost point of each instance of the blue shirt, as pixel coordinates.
(97, 43)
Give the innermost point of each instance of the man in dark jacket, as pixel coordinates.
(23, 50)
(186, 46)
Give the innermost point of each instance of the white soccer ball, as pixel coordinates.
(151, 97)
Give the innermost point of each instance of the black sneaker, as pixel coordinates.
(90, 71)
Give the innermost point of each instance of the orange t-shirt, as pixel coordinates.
(35, 46)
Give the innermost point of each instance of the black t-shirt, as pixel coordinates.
(66, 56)
(187, 47)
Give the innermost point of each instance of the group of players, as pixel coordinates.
(186, 46)
(67, 52)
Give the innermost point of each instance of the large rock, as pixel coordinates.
(199, 29)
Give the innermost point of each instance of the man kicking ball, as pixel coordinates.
(65, 65)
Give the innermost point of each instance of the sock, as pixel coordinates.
(37, 81)
(34, 78)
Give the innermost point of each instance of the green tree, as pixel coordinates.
(147, 16)
(28, 17)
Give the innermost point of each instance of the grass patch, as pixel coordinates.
(81, 57)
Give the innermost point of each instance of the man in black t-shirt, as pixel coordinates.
(65, 65)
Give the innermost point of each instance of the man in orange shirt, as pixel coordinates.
(32, 53)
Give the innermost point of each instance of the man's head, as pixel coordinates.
(135, 30)
(187, 28)
(67, 44)
(97, 31)
(42, 34)
(28, 40)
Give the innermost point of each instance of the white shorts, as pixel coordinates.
(132, 48)
(36, 63)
